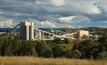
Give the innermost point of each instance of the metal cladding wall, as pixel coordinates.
(23, 32)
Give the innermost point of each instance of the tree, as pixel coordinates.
(76, 54)
(60, 51)
(102, 55)
(27, 48)
(88, 49)
(103, 43)
(5, 47)
(43, 50)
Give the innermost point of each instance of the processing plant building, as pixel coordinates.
(27, 30)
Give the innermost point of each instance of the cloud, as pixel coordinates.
(6, 23)
(75, 19)
(43, 24)
(50, 2)
(105, 21)
(52, 24)
(48, 24)
(94, 10)
(66, 19)
(58, 2)
(83, 6)
(81, 19)
(58, 13)
(46, 7)
(2, 12)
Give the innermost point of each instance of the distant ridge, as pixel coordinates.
(8, 29)
(17, 29)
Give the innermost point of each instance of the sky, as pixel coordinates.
(54, 13)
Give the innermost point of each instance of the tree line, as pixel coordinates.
(85, 49)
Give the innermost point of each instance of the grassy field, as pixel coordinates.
(48, 61)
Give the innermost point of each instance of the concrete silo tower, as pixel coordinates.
(31, 31)
(27, 30)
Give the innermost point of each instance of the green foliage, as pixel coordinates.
(43, 50)
(88, 48)
(102, 55)
(15, 47)
(85, 49)
(96, 30)
(76, 54)
(27, 48)
(5, 47)
(103, 43)
(61, 51)
(59, 41)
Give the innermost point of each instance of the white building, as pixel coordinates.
(27, 30)
(82, 34)
(38, 35)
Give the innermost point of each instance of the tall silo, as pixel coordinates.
(24, 30)
(31, 31)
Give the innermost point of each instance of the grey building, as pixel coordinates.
(27, 30)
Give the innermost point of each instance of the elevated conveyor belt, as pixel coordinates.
(14, 27)
(58, 36)
(53, 34)
(11, 30)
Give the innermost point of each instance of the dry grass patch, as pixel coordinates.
(48, 61)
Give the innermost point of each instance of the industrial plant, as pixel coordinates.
(28, 32)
